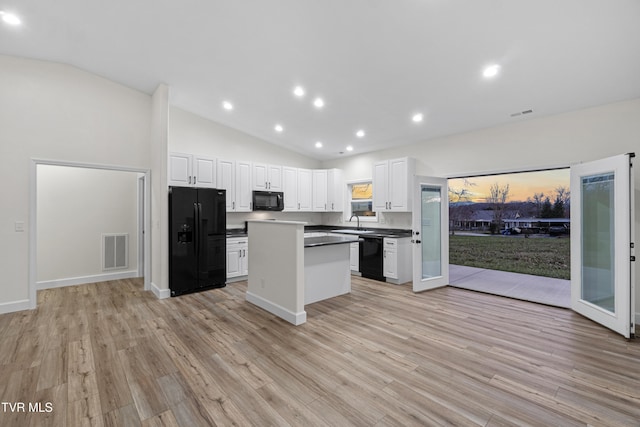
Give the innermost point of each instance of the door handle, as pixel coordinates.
(196, 227)
(194, 179)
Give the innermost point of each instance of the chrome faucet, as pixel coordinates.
(357, 217)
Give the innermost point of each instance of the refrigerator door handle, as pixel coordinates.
(200, 237)
(196, 228)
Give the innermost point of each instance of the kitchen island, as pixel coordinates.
(287, 271)
(327, 271)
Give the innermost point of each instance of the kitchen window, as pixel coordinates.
(361, 201)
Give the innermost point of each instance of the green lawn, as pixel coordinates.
(549, 257)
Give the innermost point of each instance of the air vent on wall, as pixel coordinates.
(520, 113)
(115, 251)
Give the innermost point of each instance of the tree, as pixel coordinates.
(498, 196)
(457, 208)
(538, 201)
(547, 209)
(563, 198)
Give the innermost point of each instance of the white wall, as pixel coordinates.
(159, 236)
(559, 140)
(57, 112)
(75, 207)
(189, 133)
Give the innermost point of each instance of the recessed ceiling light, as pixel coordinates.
(491, 71)
(360, 134)
(298, 91)
(227, 105)
(349, 148)
(278, 128)
(318, 144)
(418, 117)
(10, 18)
(318, 102)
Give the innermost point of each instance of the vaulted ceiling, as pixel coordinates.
(374, 63)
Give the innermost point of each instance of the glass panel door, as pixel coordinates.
(602, 218)
(430, 233)
(598, 241)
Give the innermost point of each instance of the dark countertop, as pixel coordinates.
(236, 232)
(372, 232)
(367, 232)
(310, 242)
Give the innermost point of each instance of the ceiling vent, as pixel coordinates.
(520, 113)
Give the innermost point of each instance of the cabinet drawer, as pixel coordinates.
(390, 243)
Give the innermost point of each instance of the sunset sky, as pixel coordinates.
(521, 185)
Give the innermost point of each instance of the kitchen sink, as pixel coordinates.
(349, 231)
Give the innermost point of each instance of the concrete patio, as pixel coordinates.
(543, 290)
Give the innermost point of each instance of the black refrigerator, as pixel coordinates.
(197, 239)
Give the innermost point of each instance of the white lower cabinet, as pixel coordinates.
(397, 260)
(237, 258)
(354, 257)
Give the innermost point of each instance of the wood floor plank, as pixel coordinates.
(111, 354)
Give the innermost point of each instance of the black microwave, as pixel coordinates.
(268, 200)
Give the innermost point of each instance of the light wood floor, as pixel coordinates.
(111, 354)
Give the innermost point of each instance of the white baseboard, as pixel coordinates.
(281, 312)
(160, 293)
(10, 307)
(83, 280)
(237, 279)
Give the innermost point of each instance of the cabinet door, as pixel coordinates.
(244, 261)
(319, 194)
(380, 186)
(354, 256)
(390, 263)
(204, 172)
(180, 169)
(234, 254)
(398, 184)
(305, 189)
(290, 188)
(274, 178)
(226, 169)
(243, 195)
(260, 177)
(335, 190)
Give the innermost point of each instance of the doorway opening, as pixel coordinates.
(509, 235)
(74, 210)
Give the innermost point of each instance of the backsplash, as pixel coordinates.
(237, 219)
(385, 220)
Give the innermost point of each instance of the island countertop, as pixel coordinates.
(310, 242)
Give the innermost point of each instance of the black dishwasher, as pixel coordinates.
(371, 257)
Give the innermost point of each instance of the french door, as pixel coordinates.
(430, 233)
(602, 227)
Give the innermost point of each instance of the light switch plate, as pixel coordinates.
(19, 226)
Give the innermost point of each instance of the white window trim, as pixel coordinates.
(347, 211)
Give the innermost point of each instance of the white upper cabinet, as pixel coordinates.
(305, 189)
(290, 188)
(189, 170)
(180, 169)
(319, 192)
(244, 195)
(335, 190)
(204, 173)
(235, 177)
(391, 185)
(267, 177)
(226, 181)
